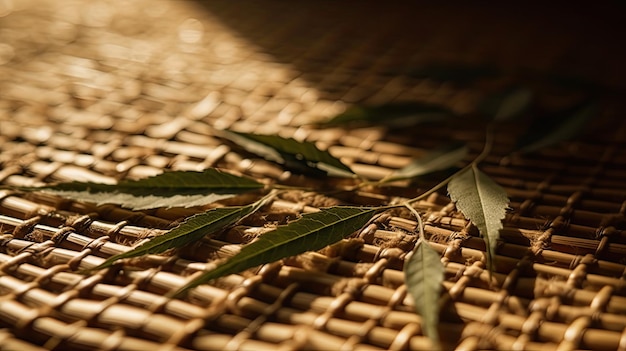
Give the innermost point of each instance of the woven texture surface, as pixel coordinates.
(104, 91)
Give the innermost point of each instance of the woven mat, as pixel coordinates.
(110, 90)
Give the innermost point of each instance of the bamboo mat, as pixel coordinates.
(103, 91)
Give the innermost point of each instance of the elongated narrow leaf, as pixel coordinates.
(436, 160)
(394, 115)
(424, 275)
(312, 232)
(483, 202)
(192, 229)
(170, 189)
(507, 105)
(556, 128)
(298, 155)
(169, 183)
(141, 202)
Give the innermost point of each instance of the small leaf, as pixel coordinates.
(192, 229)
(312, 232)
(297, 155)
(483, 202)
(394, 115)
(169, 189)
(556, 128)
(458, 74)
(507, 105)
(424, 275)
(436, 160)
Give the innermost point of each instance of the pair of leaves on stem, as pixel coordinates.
(484, 203)
(312, 232)
(192, 229)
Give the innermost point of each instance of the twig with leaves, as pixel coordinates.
(476, 195)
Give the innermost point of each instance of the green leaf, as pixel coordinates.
(394, 115)
(192, 229)
(553, 129)
(424, 275)
(507, 105)
(301, 156)
(312, 232)
(436, 160)
(483, 202)
(459, 74)
(169, 189)
(141, 202)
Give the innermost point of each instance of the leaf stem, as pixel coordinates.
(289, 187)
(489, 136)
(420, 223)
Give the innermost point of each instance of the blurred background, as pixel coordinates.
(153, 67)
(305, 51)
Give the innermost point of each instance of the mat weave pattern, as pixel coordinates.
(104, 91)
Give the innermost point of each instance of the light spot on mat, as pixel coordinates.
(191, 31)
(6, 7)
(157, 9)
(6, 53)
(62, 32)
(97, 14)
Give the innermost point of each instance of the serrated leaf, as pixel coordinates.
(192, 229)
(436, 160)
(169, 189)
(459, 74)
(556, 128)
(302, 156)
(483, 202)
(394, 115)
(170, 183)
(139, 203)
(312, 232)
(424, 275)
(507, 105)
